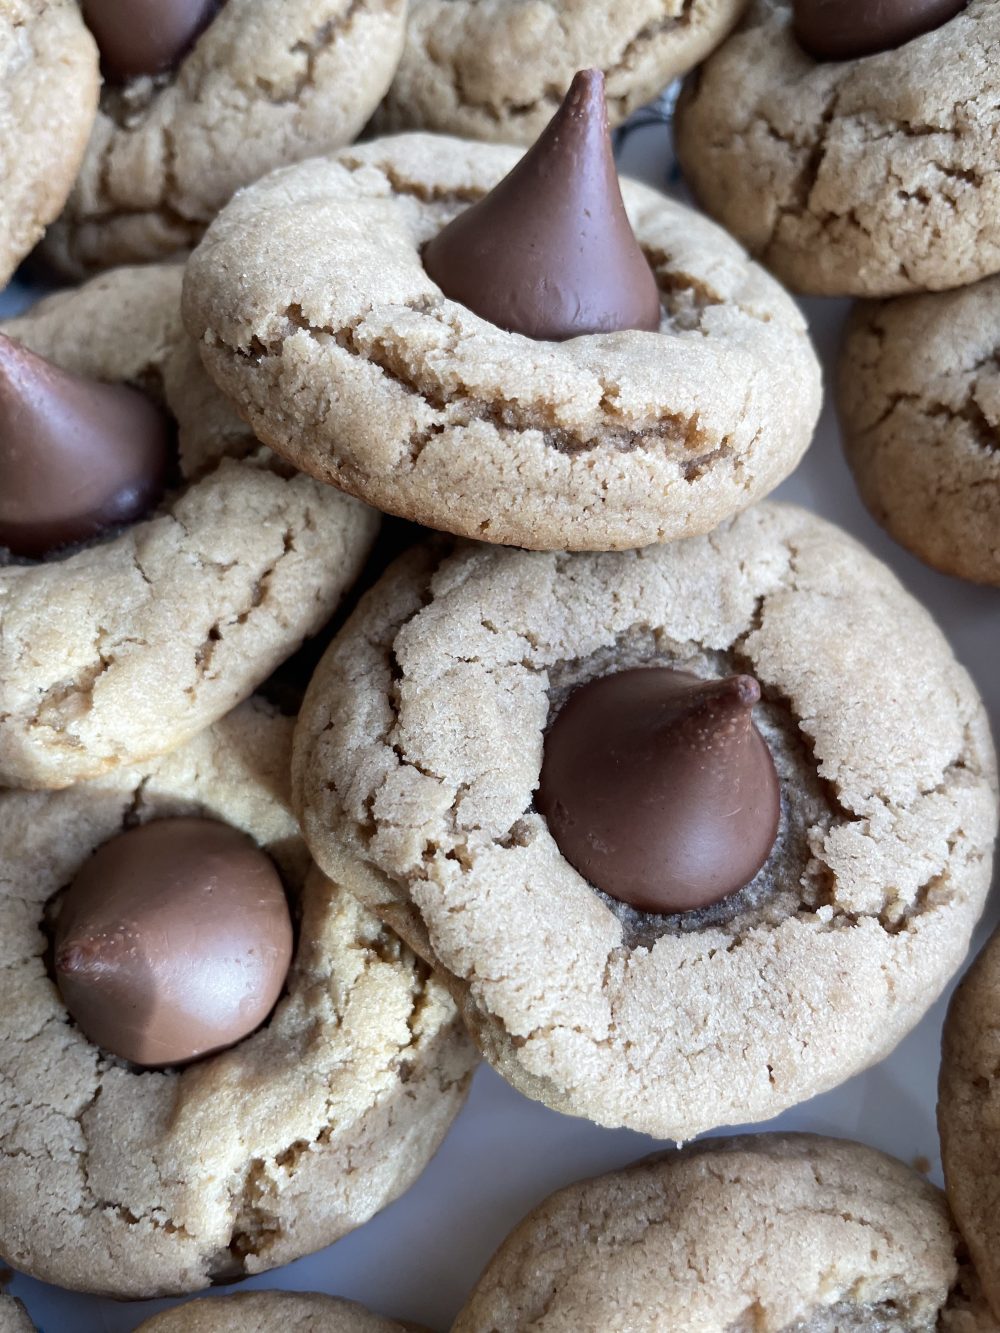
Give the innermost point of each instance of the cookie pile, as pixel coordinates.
(662, 797)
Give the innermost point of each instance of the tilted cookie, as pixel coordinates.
(969, 1113)
(511, 370)
(228, 93)
(139, 1182)
(779, 1233)
(920, 406)
(49, 84)
(433, 716)
(271, 1312)
(496, 69)
(865, 170)
(129, 644)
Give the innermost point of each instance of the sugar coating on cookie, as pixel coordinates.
(495, 69)
(314, 313)
(271, 1312)
(49, 83)
(919, 391)
(130, 645)
(418, 754)
(867, 177)
(139, 1184)
(266, 83)
(969, 1113)
(781, 1233)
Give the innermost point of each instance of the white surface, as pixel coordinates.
(420, 1257)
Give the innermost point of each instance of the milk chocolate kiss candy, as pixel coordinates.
(848, 29)
(145, 36)
(659, 789)
(173, 941)
(76, 456)
(550, 252)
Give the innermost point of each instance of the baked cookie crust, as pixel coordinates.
(418, 751)
(272, 1312)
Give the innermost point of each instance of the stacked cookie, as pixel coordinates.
(665, 798)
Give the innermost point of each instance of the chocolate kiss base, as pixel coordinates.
(153, 38)
(850, 29)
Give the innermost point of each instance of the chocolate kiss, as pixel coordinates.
(550, 252)
(145, 36)
(76, 456)
(659, 789)
(849, 29)
(173, 941)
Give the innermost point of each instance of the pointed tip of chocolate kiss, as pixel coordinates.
(147, 36)
(740, 691)
(77, 456)
(550, 252)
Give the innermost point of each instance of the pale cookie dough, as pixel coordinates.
(49, 84)
(138, 1184)
(267, 83)
(869, 177)
(920, 405)
(782, 1233)
(498, 69)
(315, 315)
(134, 643)
(271, 1312)
(969, 1113)
(418, 750)
(14, 1317)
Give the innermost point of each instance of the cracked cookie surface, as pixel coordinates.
(418, 751)
(920, 406)
(268, 82)
(313, 312)
(498, 69)
(969, 1113)
(870, 177)
(49, 84)
(780, 1233)
(272, 1312)
(130, 645)
(137, 1184)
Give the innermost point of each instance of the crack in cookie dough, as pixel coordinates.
(774, 1234)
(497, 70)
(871, 177)
(418, 752)
(349, 361)
(138, 1184)
(130, 645)
(920, 403)
(269, 82)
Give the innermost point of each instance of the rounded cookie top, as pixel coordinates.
(270, 1312)
(418, 754)
(129, 645)
(777, 1232)
(920, 405)
(969, 1113)
(49, 84)
(147, 1183)
(868, 177)
(266, 83)
(496, 69)
(313, 311)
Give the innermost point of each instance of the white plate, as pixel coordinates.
(420, 1257)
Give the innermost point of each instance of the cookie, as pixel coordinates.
(778, 1233)
(314, 313)
(871, 176)
(496, 69)
(14, 1317)
(920, 406)
(267, 82)
(143, 1183)
(969, 1113)
(129, 645)
(49, 84)
(417, 761)
(271, 1312)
